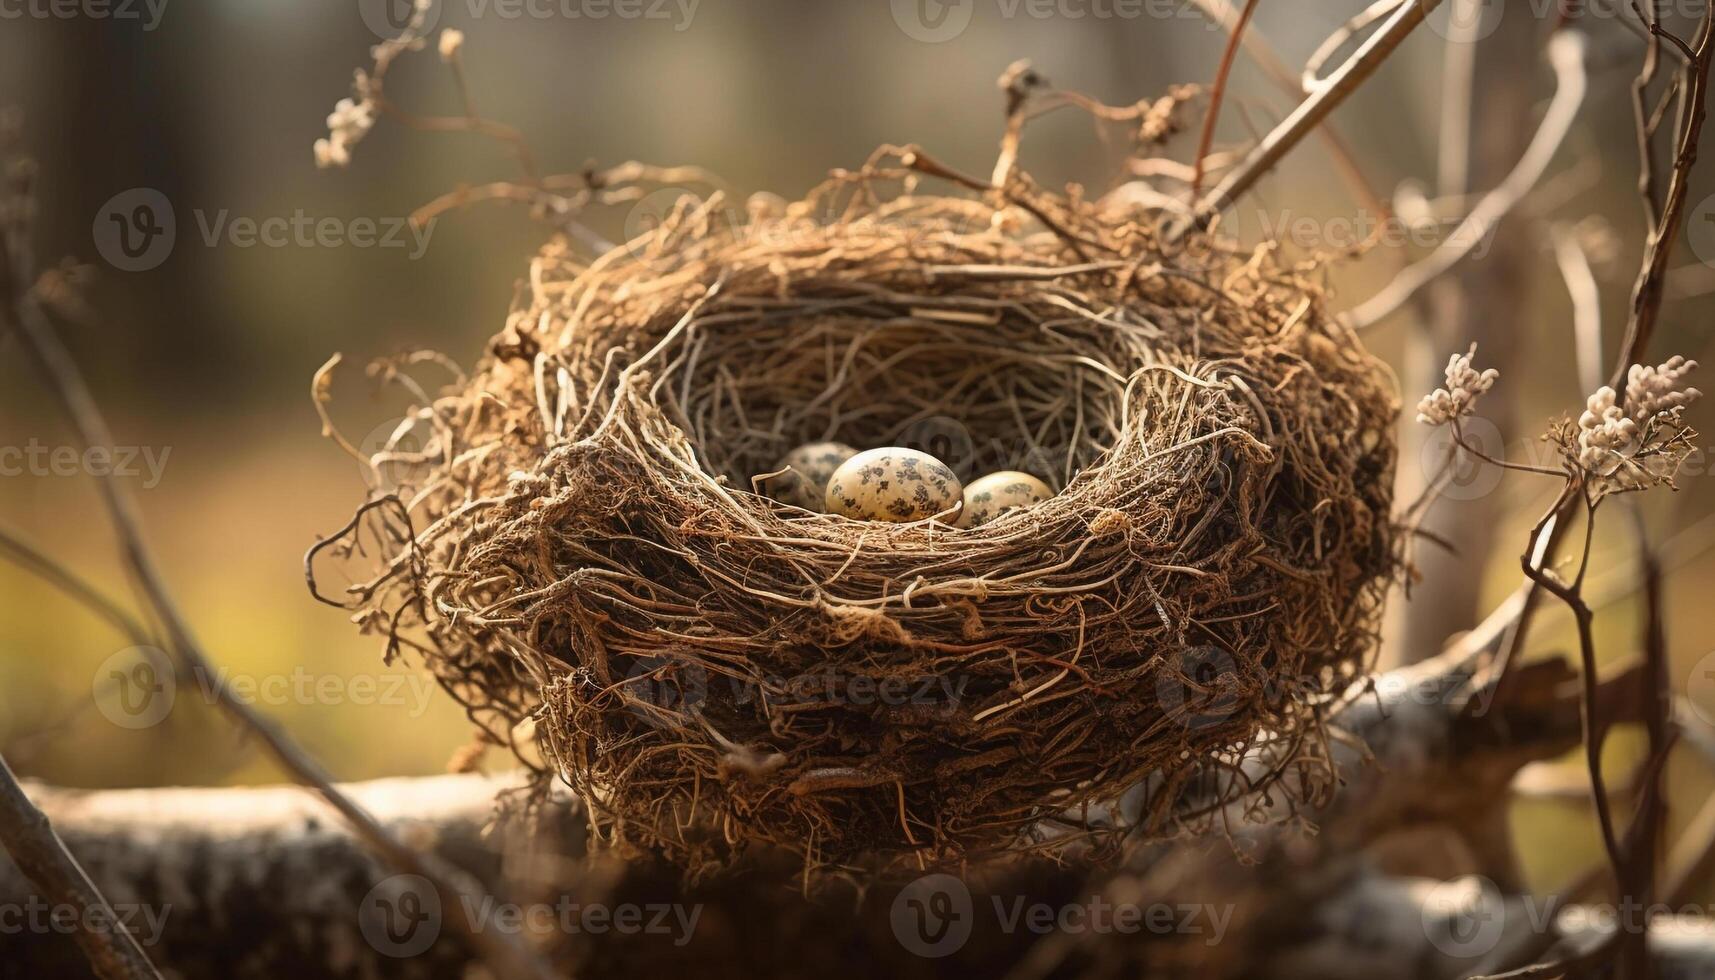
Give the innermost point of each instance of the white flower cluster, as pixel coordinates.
(350, 121)
(1651, 391)
(452, 39)
(1637, 443)
(1606, 437)
(1465, 384)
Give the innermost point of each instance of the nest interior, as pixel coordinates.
(710, 669)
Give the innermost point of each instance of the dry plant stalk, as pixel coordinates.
(591, 553)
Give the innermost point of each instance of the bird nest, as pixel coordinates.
(581, 545)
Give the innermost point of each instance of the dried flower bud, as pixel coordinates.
(1465, 384)
(1606, 438)
(1651, 391)
(452, 39)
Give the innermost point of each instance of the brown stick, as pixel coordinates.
(1566, 52)
(1664, 231)
(1221, 12)
(39, 853)
(25, 314)
(1311, 112)
(1216, 94)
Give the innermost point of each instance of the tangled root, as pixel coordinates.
(711, 669)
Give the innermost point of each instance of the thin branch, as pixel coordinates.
(1310, 112)
(1664, 233)
(40, 564)
(39, 853)
(1692, 859)
(1571, 594)
(1566, 54)
(1256, 45)
(1586, 305)
(27, 318)
(1217, 93)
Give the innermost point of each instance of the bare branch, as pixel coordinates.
(1310, 113)
(40, 854)
(1566, 54)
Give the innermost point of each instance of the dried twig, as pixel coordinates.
(29, 838)
(1221, 12)
(1216, 94)
(1586, 304)
(1566, 54)
(1667, 217)
(1310, 113)
(23, 313)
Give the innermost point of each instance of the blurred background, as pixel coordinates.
(205, 344)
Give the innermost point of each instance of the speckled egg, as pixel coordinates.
(809, 468)
(892, 484)
(990, 496)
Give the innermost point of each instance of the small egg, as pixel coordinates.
(990, 496)
(808, 467)
(892, 484)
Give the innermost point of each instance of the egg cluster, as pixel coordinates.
(895, 484)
